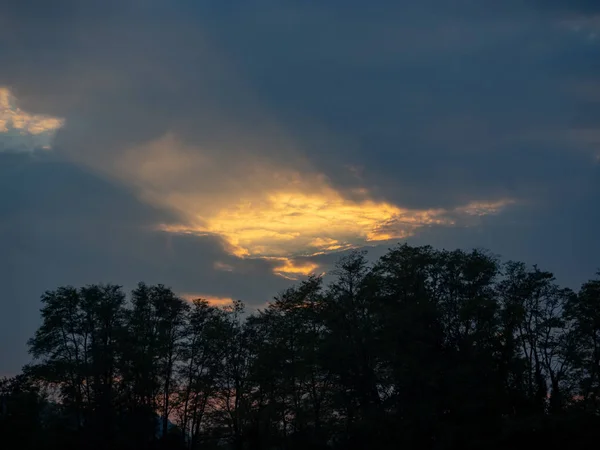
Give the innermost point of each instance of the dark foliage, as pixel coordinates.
(423, 349)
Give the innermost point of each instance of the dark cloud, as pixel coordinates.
(565, 6)
(430, 107)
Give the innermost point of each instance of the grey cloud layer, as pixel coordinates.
(437, 106)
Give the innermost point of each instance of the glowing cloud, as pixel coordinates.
(277, 210)
(211, 299)
(290, 269)
(22, 131)
(284, 224)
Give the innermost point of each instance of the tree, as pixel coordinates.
(201, 355)
(59, 347)
(422, 348)
(584, 312)
(232, 397)
(102, 316)
(23, 405)
(292, 386)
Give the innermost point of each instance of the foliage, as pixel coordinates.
(421, 349)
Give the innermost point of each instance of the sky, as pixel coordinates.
(229, 148)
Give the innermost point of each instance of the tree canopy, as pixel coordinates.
(424, 348)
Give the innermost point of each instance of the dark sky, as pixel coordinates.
(225, 148)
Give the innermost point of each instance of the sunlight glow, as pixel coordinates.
(263, 208)
(211, 299)
(287, 224)
(290, 269)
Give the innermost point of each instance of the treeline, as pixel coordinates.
(423, 349)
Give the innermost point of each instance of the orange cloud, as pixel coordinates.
(211, 299)
(286, 223)
(264, 207)
(290, 269)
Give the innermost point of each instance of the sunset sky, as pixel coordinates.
(228, 148)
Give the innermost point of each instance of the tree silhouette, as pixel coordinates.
(423, 348)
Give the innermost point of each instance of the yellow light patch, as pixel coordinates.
(291, 269)
(285, 224)
(211, 299)
(261, 208)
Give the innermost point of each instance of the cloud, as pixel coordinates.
(275, 212)
(260, 206)
(430, 103)
(21, 131)
(292, 269)
(294, 223)
(213, 301)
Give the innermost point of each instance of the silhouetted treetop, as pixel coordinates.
(422, 348)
